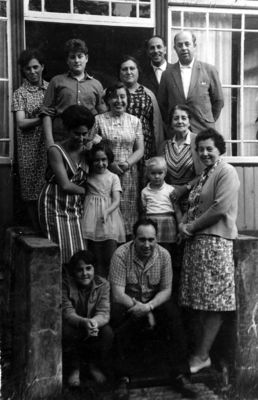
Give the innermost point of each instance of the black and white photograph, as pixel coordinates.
(129, 199)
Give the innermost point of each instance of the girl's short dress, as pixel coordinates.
(99, 198)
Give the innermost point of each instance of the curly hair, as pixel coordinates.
(75, 46)
(27, 55)
(214, 135)
(76, 115)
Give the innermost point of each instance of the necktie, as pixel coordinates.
(158, 73)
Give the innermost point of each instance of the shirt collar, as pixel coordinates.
(86, 76)
(162, 67)
(160, 188)
(33, 88)
(186, 141)
(186, 66)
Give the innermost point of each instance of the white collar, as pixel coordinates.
(186, 141)
(162, 67)
(186, 66)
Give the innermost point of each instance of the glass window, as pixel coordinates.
(5, 94)
(90, 7)
(58, 6)
(123, 10)
(3, 49)
(144, 11)
(3, 8)
(132, 12)
(230, 42)
(195, 21)
(35, 5)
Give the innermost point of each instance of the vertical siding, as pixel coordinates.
(248, 198)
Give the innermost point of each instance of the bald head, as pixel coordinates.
(184, 45)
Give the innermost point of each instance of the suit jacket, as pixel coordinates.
(205, 97)
(217, 208)
(148, 79)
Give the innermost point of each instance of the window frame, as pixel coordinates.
(71, 18)
(188, 7)
(9, 139)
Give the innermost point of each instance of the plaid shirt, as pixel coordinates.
(141, 281)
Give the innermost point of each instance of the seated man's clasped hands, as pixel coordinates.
(141, 280)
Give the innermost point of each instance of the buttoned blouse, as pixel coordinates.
(121, 133)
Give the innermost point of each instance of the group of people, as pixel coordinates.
(136, 195)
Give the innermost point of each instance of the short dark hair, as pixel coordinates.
(214, 135)
(144, 222)
(82, 255)
(102, 146)
(127, 57)
(193, 36)
(75, 46)
(27, 55)
(77, 115)
(112, 90)
(181, 107)
(153, 37)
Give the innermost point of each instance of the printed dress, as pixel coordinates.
(99, 198)
(32, 159)
(207, 278)
(60, 212)
(140, 105)
(121, 133)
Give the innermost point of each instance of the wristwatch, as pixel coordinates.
(188, 187)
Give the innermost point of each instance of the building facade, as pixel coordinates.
(227, 36)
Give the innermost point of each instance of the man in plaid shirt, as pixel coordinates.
(141, 281)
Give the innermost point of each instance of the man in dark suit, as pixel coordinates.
(156, 51)
(193, 83)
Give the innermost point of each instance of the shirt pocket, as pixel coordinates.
(153, 280)
(132, 278)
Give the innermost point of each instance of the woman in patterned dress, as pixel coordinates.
(207, 280)
(143, 104)
(31, 150)
(180, 154)
(123, 133)
(60, 201)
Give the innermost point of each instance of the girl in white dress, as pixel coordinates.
(102, 223)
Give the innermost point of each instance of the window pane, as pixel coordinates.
(194, 20)
(236, 51)
(250, 116)
(60, 6)
(2, 8)
(35, 5)
(250, 59)
(176, 18)
(221, 21)
(4, 111)
(145, 11)
(90, 7)
(236, 21)
(123, 10)
(251, 22)
(3, 50)
(4, 149)
(228, 123)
